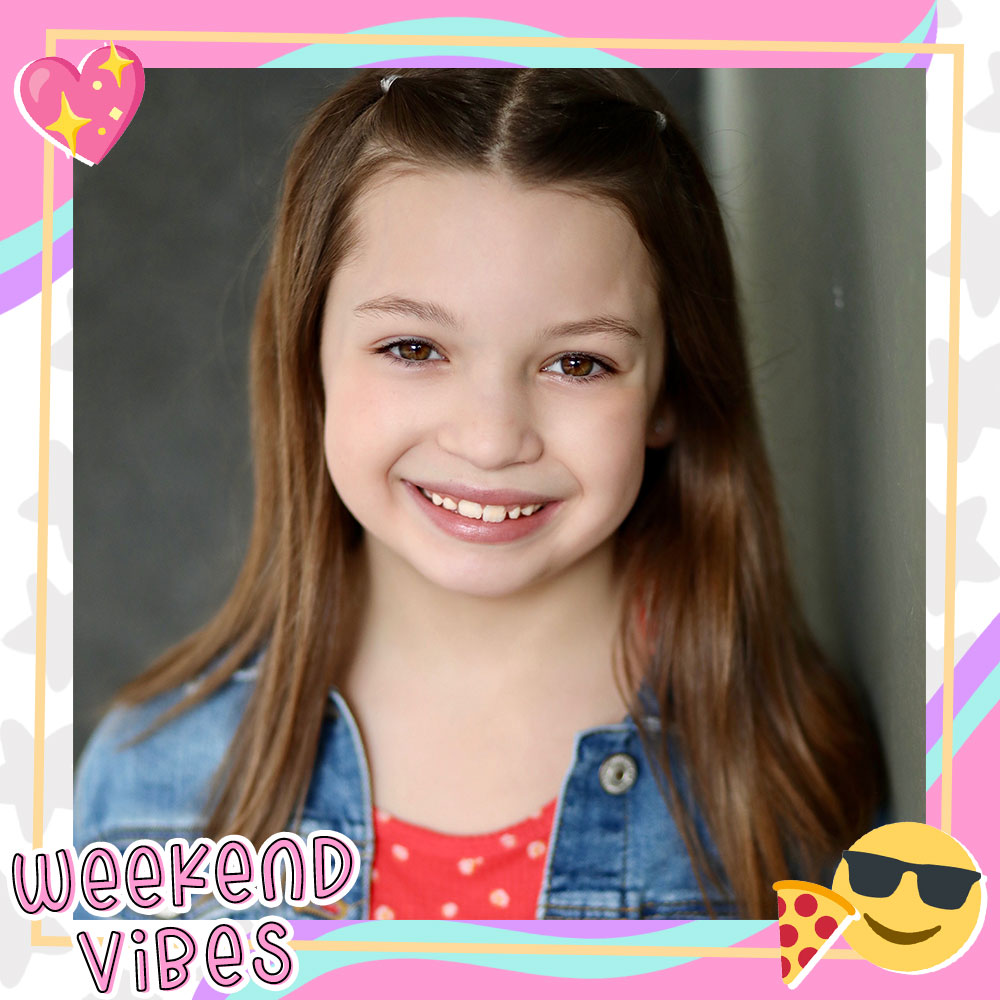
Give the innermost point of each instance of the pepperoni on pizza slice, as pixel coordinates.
(810, 918)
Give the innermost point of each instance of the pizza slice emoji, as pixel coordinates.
(810, 918)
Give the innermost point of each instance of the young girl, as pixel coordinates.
(513, 508)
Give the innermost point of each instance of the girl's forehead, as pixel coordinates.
(483, 237)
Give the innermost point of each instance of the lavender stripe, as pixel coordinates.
(25, 281)
(309, 930)
(933, 29)
(970, 672)
(582, 928)
(923, 60)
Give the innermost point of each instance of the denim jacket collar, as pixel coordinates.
(615, 851)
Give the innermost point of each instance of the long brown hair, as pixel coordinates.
(782, 764)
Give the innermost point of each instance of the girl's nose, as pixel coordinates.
(490, 426)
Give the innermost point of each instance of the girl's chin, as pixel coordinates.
(479, 582)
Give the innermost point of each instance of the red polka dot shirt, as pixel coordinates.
(419, 874)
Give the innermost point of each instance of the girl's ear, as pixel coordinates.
(662, 426)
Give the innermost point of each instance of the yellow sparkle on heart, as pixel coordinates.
(115, 113)
(97, 85)
(115, 64)
(101, 131)
(67, 124)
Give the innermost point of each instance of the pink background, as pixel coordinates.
(23, 39)
(975, 807)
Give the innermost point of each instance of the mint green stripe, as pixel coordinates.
(359, 55)
(562, 966)
(983, 699)
(23, 245)
(898, 59)
(702, 933)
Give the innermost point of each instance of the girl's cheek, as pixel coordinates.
(625, 430)
(614, 422)
(366, 422)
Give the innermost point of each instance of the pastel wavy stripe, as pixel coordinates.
(355, 55)
(607, 930)
(926, 31)
(24, 281)
(688, 933)
(923, 61)
(27, 243)
(975, 823)
(970, 671)
(313, 964)
(975, 710)
(446, 62)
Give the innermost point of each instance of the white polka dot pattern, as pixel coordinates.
(418, 873)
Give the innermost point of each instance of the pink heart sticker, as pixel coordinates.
(82, 111)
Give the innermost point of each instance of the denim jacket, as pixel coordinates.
(615, 850)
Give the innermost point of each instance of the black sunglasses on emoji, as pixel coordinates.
(940, 886)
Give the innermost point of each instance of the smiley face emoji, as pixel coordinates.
(920, 893)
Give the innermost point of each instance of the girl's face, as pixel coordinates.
(491, 355)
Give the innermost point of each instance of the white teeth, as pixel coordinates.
(491, 513)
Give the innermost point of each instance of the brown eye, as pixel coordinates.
(411, 352)
(576, 365)
(581, 368)
(414, 350)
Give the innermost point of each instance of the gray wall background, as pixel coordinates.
(822, 175)
(823, 179)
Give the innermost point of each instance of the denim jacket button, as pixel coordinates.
(618, 773)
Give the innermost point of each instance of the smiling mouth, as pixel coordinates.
(900, 937)
(491, 513)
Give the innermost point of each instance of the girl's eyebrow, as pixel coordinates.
(396, 305)
(431, 312)
(612, 325)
